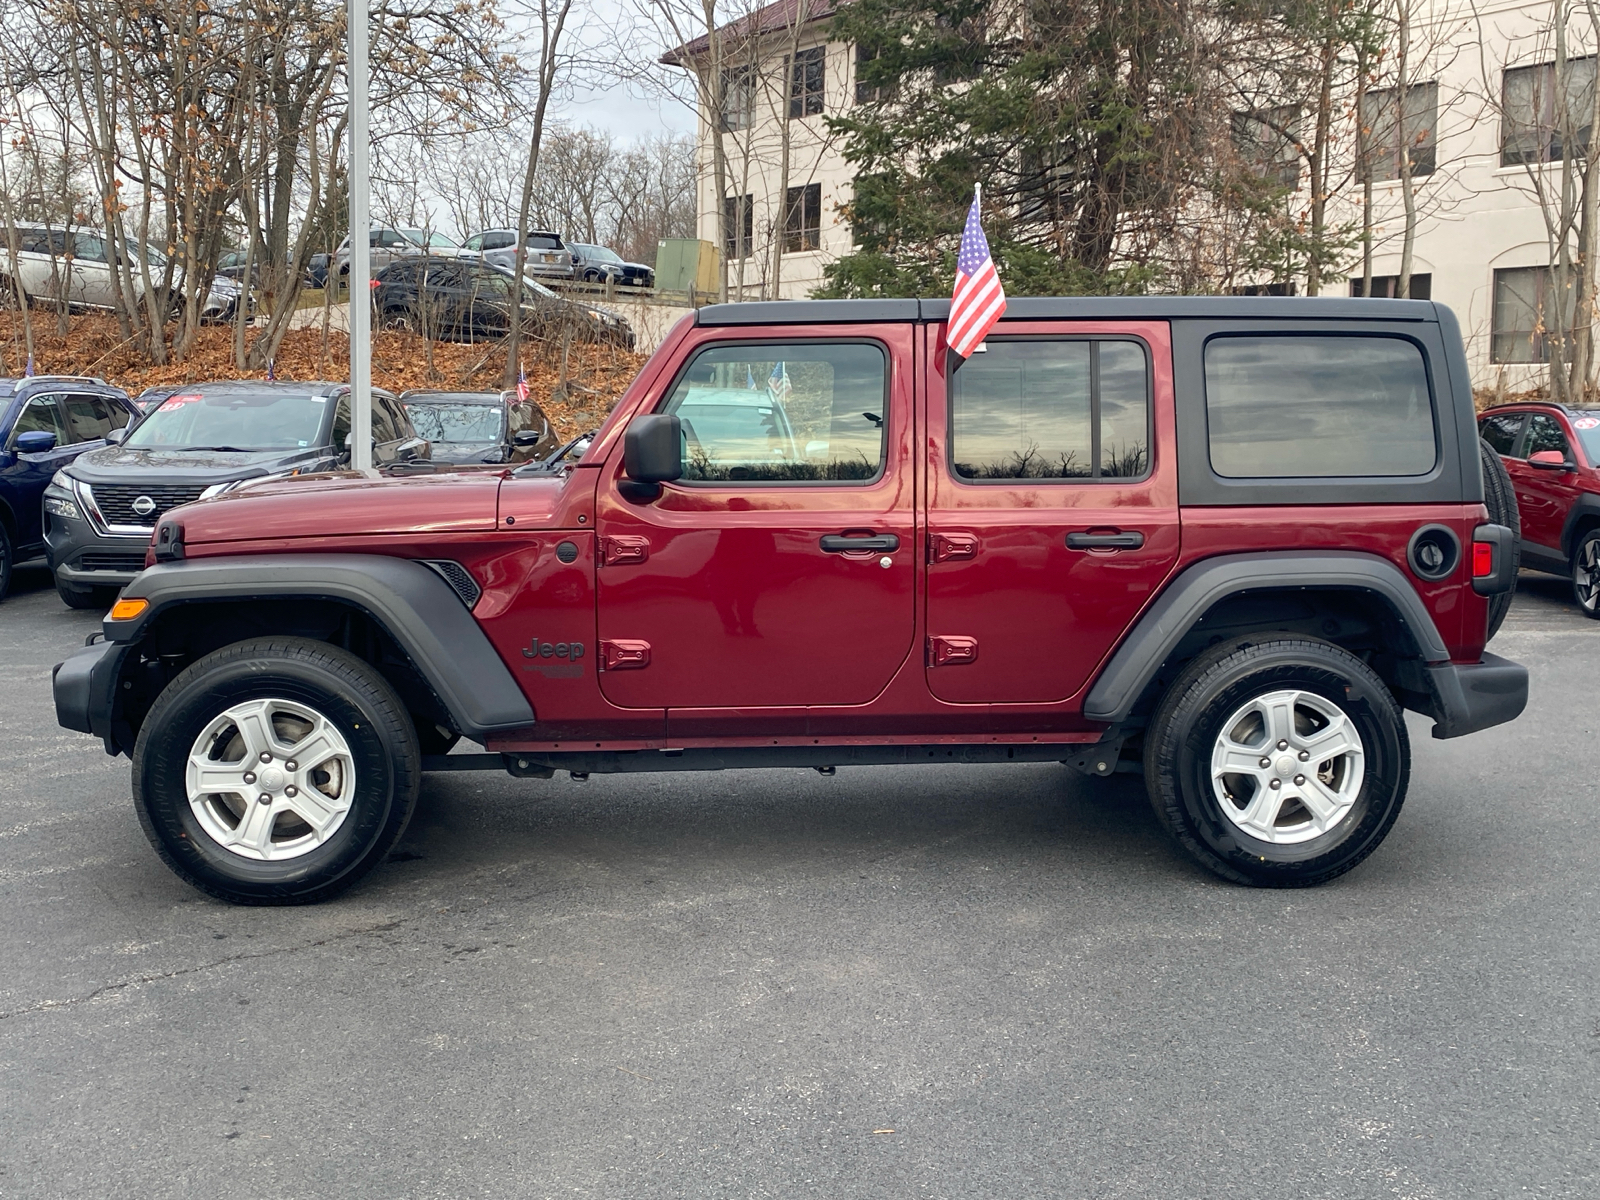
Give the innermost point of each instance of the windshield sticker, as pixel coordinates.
(1587, 423)
(302, 443)
(180, 400)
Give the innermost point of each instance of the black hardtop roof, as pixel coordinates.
(1080, 308)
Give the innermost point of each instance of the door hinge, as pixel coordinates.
(952, 651)
(951, 547)
(624, 654)
(623, 550)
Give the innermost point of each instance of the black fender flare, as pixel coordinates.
(1200, 587)
(410, 601)
(1587, 506)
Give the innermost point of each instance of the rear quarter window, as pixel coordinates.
(1312, 406)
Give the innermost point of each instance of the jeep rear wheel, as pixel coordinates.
(1500, 498)
(276, 771)
(1277, 761)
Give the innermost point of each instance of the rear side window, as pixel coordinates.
(1051, 409)
(783, 412)
(1318, 407)
(1501, 432)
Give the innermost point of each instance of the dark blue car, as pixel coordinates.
(46, 421)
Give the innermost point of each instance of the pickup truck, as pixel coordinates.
(1223, 542)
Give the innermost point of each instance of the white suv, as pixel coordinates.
(74, 264)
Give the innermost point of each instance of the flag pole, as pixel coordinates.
(360, 276)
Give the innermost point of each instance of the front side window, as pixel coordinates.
(806, 84)
(90, 417)
(1501, 432)
(1044, 409)
(499, 240)
(1389, 136)
(1318, 407)
(783, 412)
(1543, 117)
(1545, 433)
(41, 414)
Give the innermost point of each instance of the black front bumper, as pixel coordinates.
(1473, 697)
(85, 688)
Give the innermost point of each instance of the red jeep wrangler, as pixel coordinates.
(1224, 541)
(1552, 457)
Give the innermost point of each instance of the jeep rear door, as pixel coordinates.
(1052, 512)
(779, 572)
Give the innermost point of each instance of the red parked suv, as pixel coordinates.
(1552, 455)
(1221, 541)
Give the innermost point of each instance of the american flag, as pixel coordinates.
(778, 385)
(979, 300)
(522, 385)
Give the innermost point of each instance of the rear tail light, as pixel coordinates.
(1482, 560)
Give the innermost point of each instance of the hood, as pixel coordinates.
(344, 505)
(194, 468)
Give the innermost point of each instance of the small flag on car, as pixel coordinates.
(778, 385)
(29, 371)
(272, 376)
(978, 301)
(522, 384)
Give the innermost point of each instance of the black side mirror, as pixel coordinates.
(652, 454)
(35, 441)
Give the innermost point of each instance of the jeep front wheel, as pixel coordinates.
(276, 771)
(1277, 761)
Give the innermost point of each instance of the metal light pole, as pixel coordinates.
(360, 248)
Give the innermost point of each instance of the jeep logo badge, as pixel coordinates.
(144, 506)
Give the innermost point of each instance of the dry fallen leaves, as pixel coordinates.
(93, 345)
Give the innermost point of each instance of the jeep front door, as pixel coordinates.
(1052, 505)
(778, 573)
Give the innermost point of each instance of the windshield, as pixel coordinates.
(604, 255)
(240, 420)
(529, 283)
(423, 238)
(455, 422)
(1587, 427)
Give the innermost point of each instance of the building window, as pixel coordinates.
(806, 82)
(738, 224)
(1264, 289)
(1538, 118)
(868, 93)
(1388, 286)
(1415, 135)
(802, 225)
(738, 99)
(1268, 142)
(1525, 325)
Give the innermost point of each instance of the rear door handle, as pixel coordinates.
(1105, 541)
(838, 543)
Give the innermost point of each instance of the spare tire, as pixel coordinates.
(1501, 500)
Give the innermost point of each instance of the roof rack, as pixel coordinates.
(74, 378)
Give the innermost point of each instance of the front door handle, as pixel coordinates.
(838, 543)
(1105, 541)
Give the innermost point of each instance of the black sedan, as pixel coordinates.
(480, 427)
(466, 300)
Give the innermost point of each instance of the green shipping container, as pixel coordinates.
(687, 263)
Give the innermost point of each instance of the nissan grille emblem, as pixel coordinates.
(144, 506)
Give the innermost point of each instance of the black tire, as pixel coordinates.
(86, 598)
(1190, 719)
(1586, 574)
(355, 701)
(7, 560)
(1500, 498)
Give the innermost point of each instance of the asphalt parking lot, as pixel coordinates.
(958, 982)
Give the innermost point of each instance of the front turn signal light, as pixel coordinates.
(127, 610)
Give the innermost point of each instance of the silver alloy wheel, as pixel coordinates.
(270, 779)
(1586, 573)
(1287, 767)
